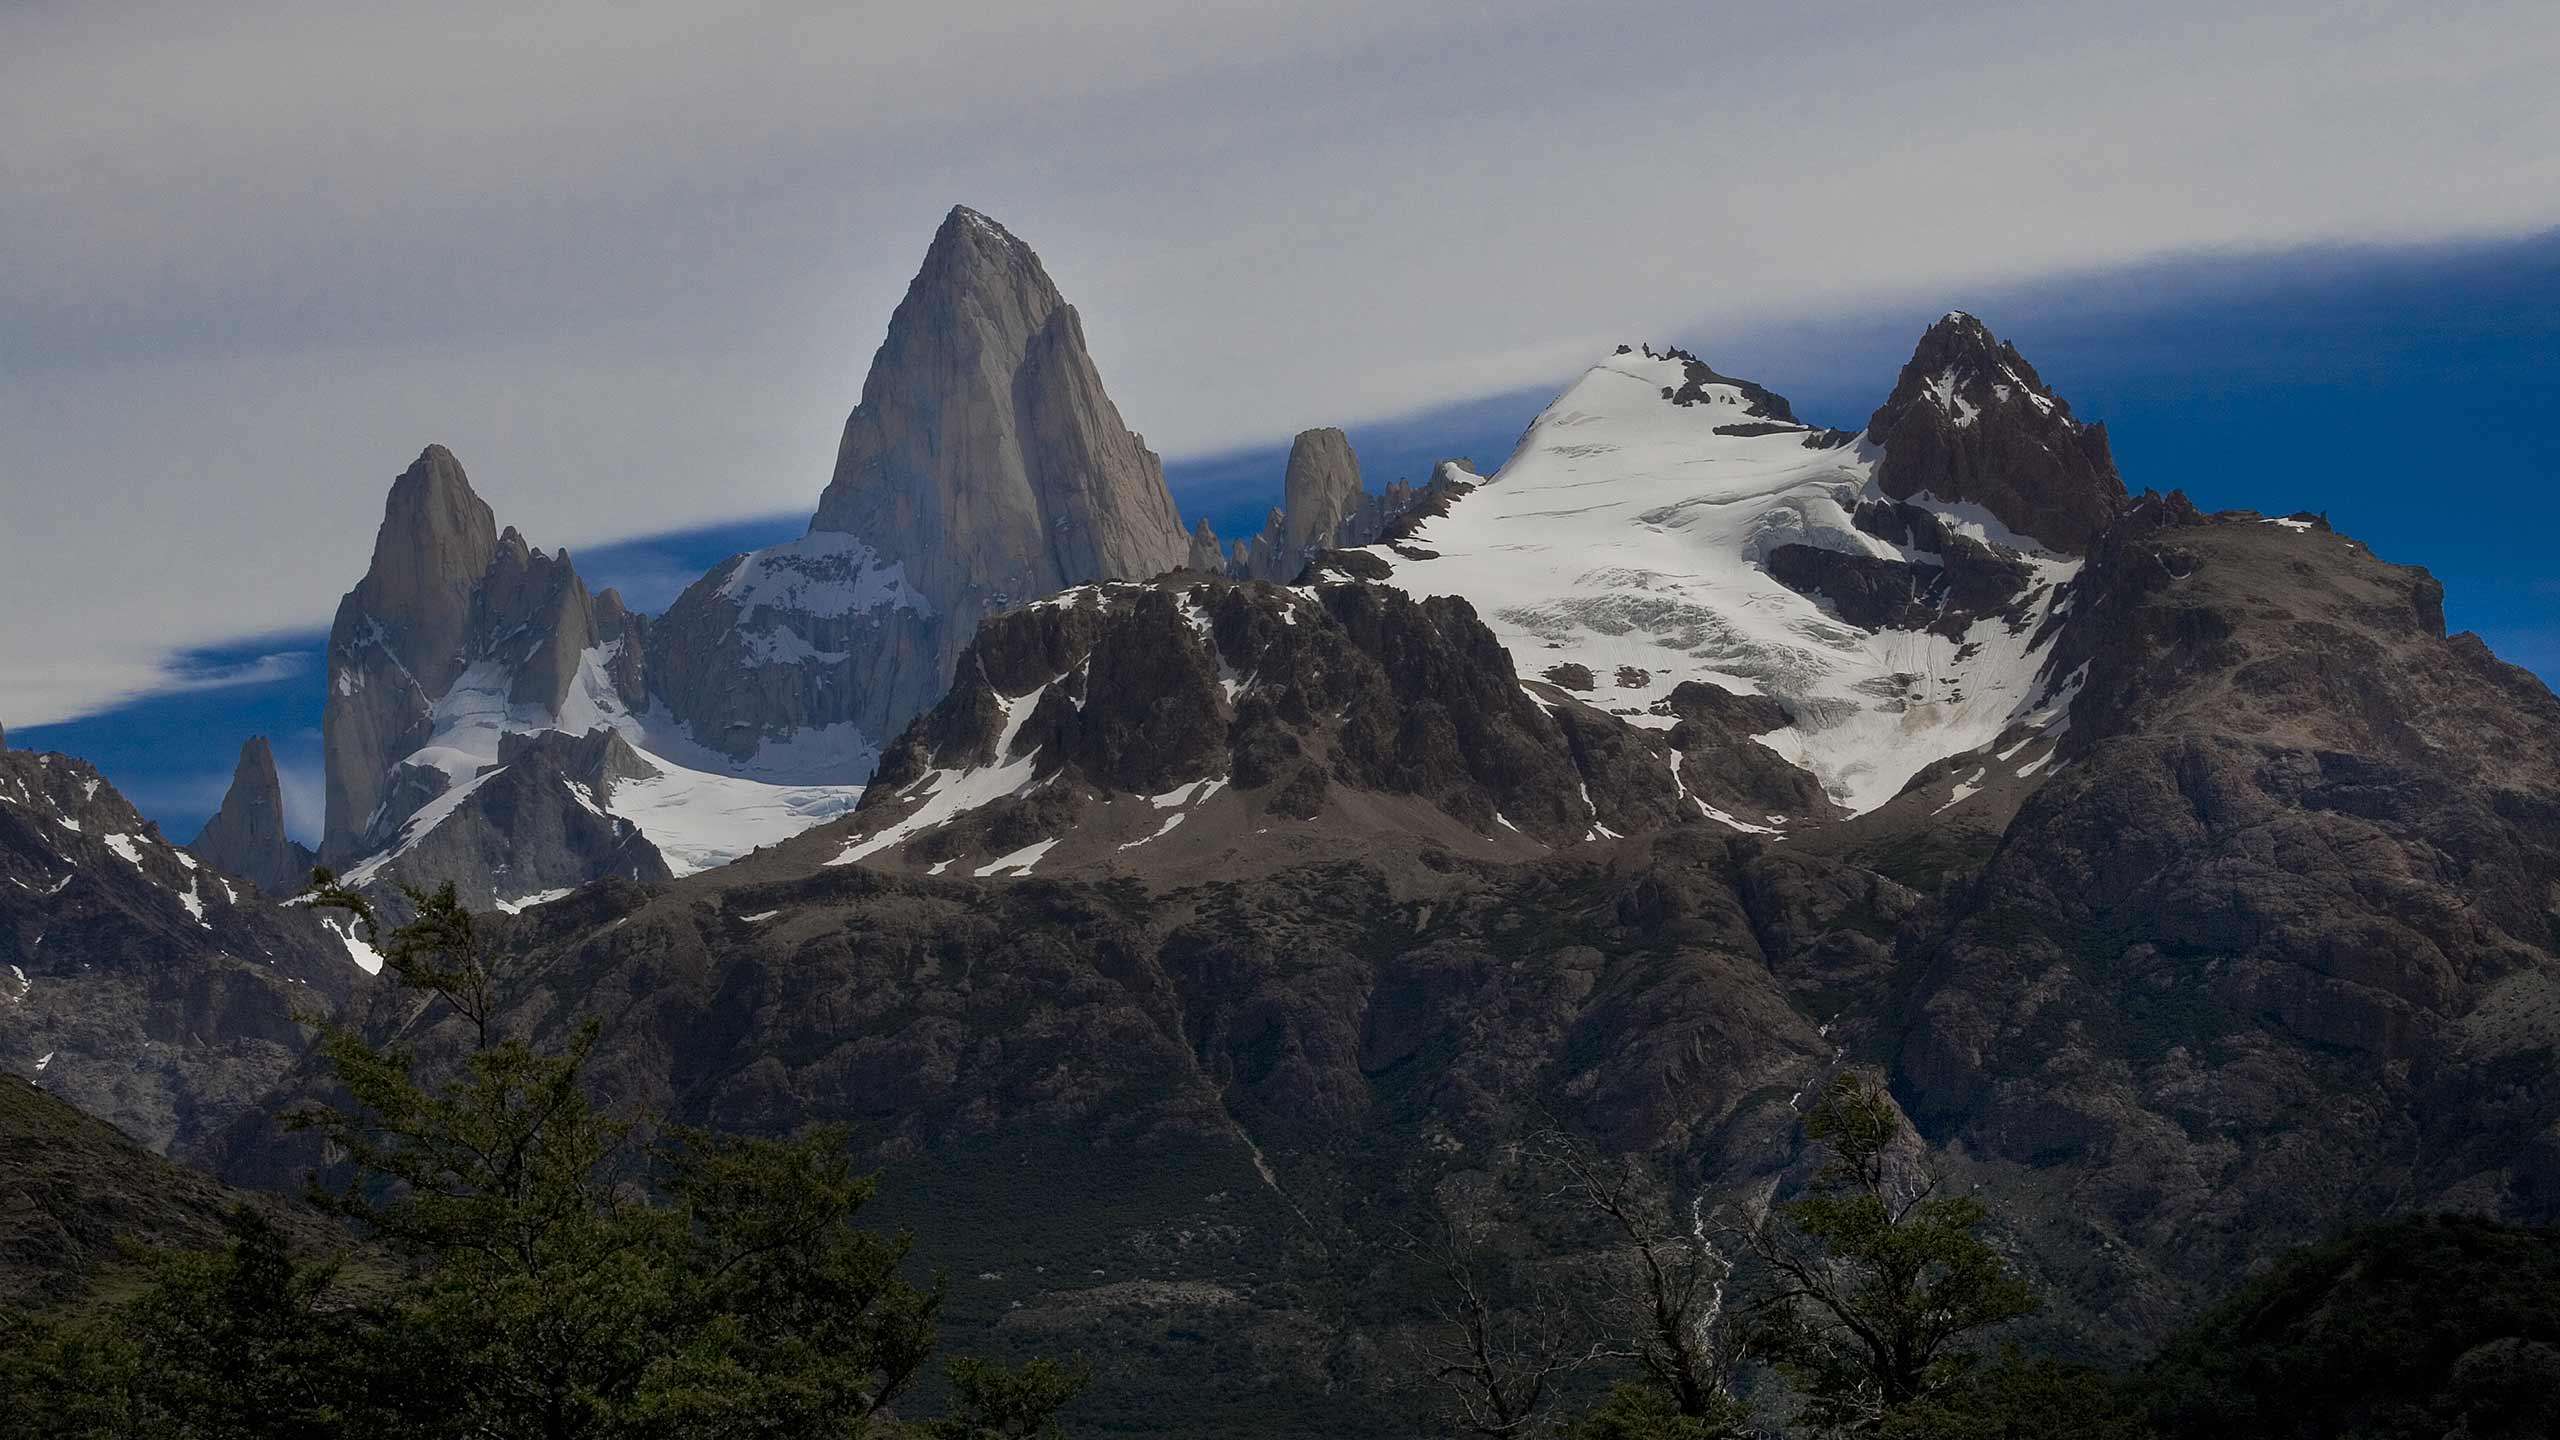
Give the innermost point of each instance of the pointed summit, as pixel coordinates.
(1205, 556)
(246, 837)
(437, 537)
(1321, 487)
(399, 638)
(985, 456)
(984, 467)
(1970, 419)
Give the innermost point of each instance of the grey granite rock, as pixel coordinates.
(984, 467)
(247, 836)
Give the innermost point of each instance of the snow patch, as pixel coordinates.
(1020, 861)
(367, 959)
(950, 792)
(1965, 789)
(824, 573)
(1161, 831)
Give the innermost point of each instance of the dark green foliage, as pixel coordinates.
(2020, 1398)
(990, 1402)
(1877, 1282)
(243, 1341)
(1646, 1411)
(2428, 1327)
(564, 1279)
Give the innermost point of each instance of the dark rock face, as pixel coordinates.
(534, 826)
(1969, 581)
(136, 982)
(1758, 401)
(1969, 420)
(246, 837)
(1358, 686)
(1721, 764)
(2276, 946)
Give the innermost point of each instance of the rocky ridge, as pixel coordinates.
(136, 981)
(1087, 730)
(1325, 506)
(2233, 956)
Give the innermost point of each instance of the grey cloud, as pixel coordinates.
(630, 261)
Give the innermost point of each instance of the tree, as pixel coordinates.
(989, 1402)
(1875, 1279)
(238, 1343)
(575, 1281)
(1667, 1288)
(1498, 1365)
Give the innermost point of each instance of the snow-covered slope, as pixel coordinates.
(1631, 536)
(695, 818)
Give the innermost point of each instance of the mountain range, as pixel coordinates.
(1181, 923)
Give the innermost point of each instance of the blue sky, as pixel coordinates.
(2408, 392)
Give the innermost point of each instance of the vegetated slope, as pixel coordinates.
(2424, 1328)
(1185, 1131)
(74, 1191)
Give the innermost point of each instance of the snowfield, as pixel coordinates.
(698, 818)
(1627, 536)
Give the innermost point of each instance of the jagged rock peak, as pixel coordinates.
(1321, 487)
(446, 590)
(437, 538)
(1969, 419)
(984, 455)
(247, 836)
(1206, 555)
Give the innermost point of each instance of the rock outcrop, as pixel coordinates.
(533, 827)
(398, 640)
(1325, 507)
(1969, 420)
(246, 837)
(482, 717)
(2194, 890)
(1319, 491)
